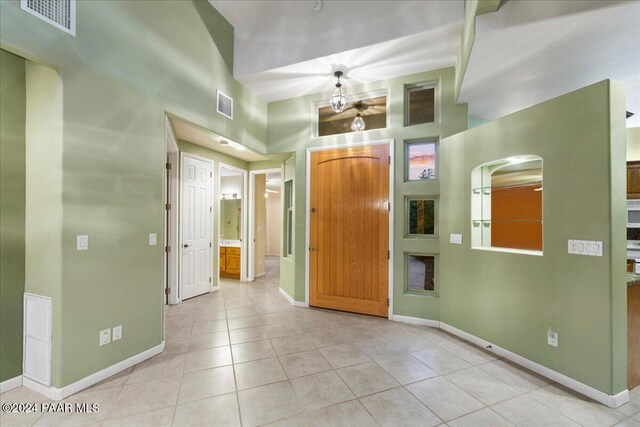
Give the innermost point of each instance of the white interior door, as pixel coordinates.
(196, 214)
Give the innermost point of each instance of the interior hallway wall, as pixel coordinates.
(12, 211)
(274, 224)
(130, 63)
(260, 226)
(633, 144)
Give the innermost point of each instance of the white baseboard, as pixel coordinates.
(416, 321)
(259, 275)
(612, 401)
(292, 301)
(61, 393)
(10, 384)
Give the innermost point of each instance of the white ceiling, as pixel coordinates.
(196, 135)
(273, 34)
(524, 54)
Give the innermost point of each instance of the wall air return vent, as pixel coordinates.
(59, 13)
(224, 105)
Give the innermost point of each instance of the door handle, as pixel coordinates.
(185, 246)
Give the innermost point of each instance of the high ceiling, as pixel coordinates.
(524, 54)
(527, 52)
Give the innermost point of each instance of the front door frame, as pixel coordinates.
(184, 154)
(307, 215)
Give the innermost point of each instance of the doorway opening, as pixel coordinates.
(265, 226)
(171, 224)
(232, 212)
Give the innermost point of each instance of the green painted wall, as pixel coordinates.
(12, 211)
(290, 124)
(511, 299)
(287, 262)
(129, 64)
(633, 144)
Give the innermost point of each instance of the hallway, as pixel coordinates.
(244, 356)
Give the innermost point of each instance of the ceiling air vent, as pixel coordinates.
(225, 105)
(59, 13)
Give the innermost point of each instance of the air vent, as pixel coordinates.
(225, 105)
(59, 13)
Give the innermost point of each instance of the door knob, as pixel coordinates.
(185, 246)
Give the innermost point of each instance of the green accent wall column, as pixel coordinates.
(12, 211)
(512, 299)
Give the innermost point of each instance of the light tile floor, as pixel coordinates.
(244, 356)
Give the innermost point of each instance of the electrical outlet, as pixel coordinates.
(105, 336)
(117, 332)
(82, 242)
(552, 337)
(153, 239)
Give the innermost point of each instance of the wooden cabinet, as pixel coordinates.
(633, 180)
(230, 262)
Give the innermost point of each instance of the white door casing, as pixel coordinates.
(196, 225)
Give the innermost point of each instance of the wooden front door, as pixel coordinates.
(349, 240)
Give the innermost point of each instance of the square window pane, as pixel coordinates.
(421, 105)
(421, 271)
(421, 161)
(421, 217)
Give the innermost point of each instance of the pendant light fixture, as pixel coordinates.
(358, 124)
(338, 100)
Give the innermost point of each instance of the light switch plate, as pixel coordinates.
(552, 337)
(82, 242)
(117, 332)
(105, 337)
(456, 239)
(153, 239)
(586, 247)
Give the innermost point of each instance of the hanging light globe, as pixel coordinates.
(338, 100)
(358, 123)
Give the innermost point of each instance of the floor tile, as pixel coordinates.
(324, 338)
(214, 339)
(199, 328)
(219, 411)
(160, 418)
(268, 403)
(482, 418)
(577, 408)
(523, 411)
(514, 376)
(244, 322)
(629, 423)
(207, 358)
(241, 312)
(117, 380)
(473, 354)
(407, 369)
(484, 387)
(159, 366)
(281, 330)
(321, 390)
(208, 383)
(291, 344)
(441, 360)
(443, 398)
(299, 420)
(398, 407)
(632, 407)
(366, 378)
(253, 350)
(147, 396)
(304, 363)
(256, 333)
(258, 372)
(343, 355)
(348, 414)
(105, 399)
